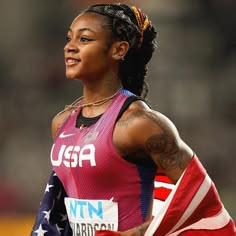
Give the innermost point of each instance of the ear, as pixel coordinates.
(119, 50)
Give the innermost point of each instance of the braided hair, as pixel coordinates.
(131, 25)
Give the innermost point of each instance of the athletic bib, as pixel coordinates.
(87, 216)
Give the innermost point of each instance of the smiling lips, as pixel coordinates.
(72, 61)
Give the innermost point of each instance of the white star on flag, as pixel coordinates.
(48, 187)
(58, 228)
(40, 231)
(64, 217)
(47, 215)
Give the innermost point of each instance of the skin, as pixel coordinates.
(140, 129)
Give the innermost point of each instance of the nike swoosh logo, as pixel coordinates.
(63, 135)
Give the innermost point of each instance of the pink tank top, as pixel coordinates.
(90, 168)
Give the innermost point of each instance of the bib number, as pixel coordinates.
(87, 216)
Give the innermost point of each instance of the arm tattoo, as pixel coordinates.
(131, 117)
(166, 148)
(128, 120)
(163, 145)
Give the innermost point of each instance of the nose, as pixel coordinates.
(70, 47)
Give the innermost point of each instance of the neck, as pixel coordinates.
(92, 94)
(100, 101)
(98, 106)
(96, 89)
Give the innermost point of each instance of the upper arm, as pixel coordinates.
(166, 148)
(157, 136)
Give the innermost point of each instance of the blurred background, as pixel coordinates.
(191, 78)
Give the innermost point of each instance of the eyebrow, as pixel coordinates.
(83, 29)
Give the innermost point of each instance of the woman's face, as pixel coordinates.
(87, 55)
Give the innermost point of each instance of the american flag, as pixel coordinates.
(52, 218)
(193, 208)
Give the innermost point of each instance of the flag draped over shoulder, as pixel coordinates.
(193, 208)
(52, 218)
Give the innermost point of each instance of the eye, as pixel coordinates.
(68, 39)
(85, 39)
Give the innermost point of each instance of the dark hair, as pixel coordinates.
(125, 25)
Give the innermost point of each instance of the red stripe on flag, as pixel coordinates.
(161, 193)
(162, 178)
(211, 202)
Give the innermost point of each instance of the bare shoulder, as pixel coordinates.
(140, 116)
(155, 134)
(139, 123)
(58, 120)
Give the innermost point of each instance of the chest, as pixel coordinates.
(89, 158)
